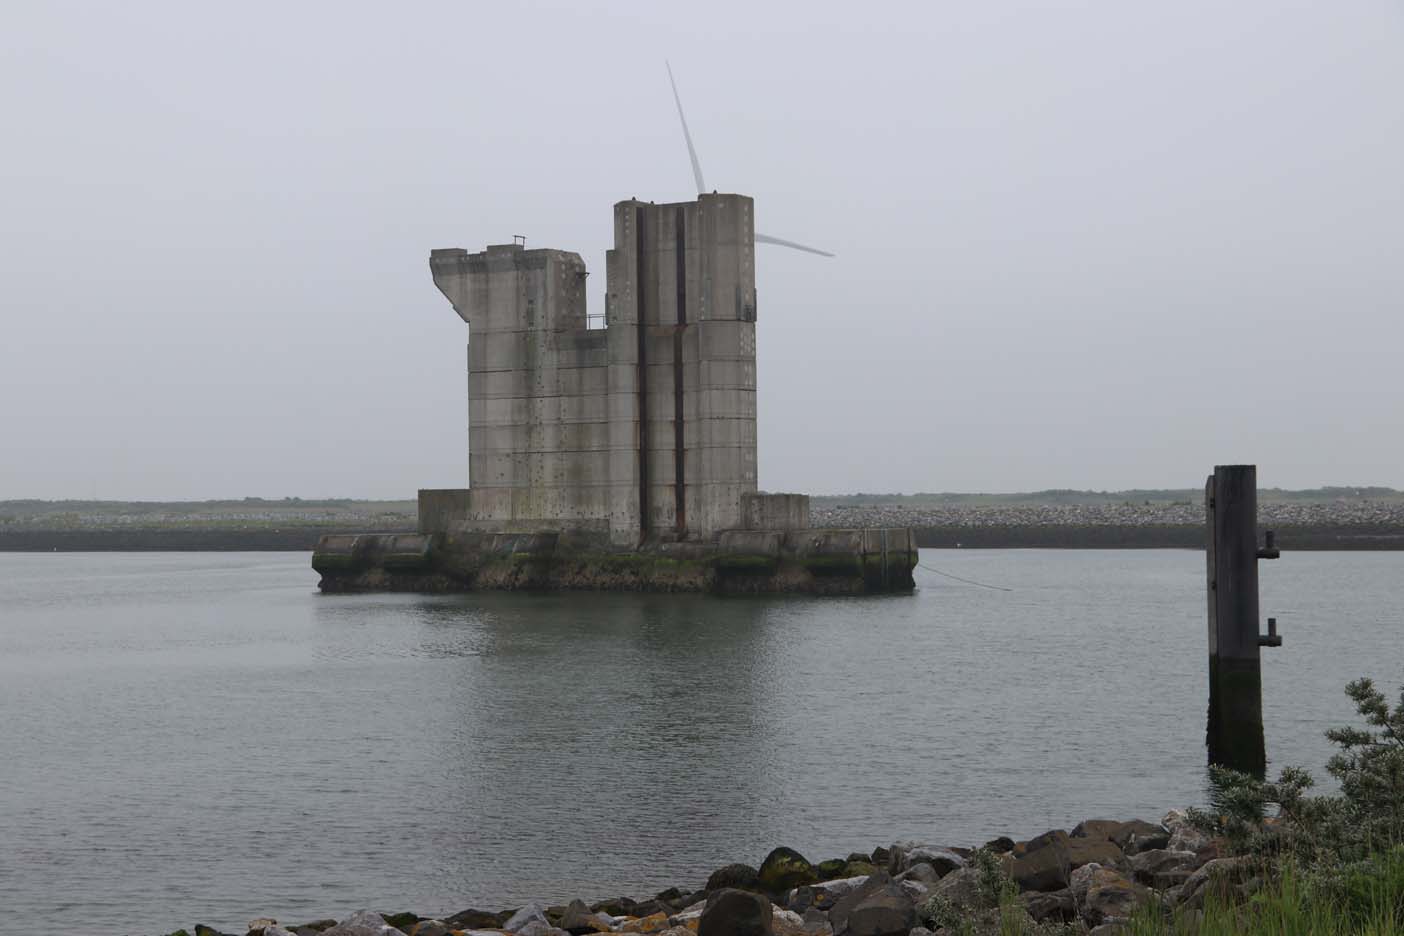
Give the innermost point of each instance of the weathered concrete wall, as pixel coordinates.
(648, 425)
(443, 510)
(537, 388)
(775, 511)
(682, 309)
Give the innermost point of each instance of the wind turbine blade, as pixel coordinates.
(691, 150)
(767, 239)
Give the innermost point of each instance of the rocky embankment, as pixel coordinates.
(1337, 525)
(1089, 880)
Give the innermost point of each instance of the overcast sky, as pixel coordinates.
(1099, 244)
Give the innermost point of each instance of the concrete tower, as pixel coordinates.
(645, 429)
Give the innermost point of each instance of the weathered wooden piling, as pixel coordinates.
(1235, 732)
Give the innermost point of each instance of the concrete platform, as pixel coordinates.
(808, 561)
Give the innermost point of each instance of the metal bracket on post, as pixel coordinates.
(1272, 638)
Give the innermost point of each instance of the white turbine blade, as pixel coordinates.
(691, 151)
(767, 239)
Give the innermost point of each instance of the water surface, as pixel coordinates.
(204, 737)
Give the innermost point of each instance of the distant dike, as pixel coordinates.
(1066, 536)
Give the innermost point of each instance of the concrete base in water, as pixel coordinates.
(826, 562)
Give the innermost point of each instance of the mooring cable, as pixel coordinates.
(967, 581)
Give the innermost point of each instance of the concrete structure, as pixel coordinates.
(635, 438)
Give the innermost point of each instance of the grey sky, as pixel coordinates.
(1080, 244)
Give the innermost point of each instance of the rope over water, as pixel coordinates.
(922, 565)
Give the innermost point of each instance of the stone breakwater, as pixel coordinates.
(1087, 880)
(1272, 515)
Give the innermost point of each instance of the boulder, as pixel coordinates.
(430, 928)
(733, 912)
(816, 923)
(960, 888)
(540, 928)
(1216, 876)
(882, 909)
(824, 896)
(650, 907)
(859, 869)
(276, 930)
(475, 919)
(259, 924)
(1042, 863)
(363, 923)
(653, 923)
(1054, 906)
(1086, 850)
(1183, 835)
(920, 872)
(527, 914)
(784, 869)
(579, 919)
(1159, 865)
(1097, 828)
(833, 868)
(880, 856)
(615, 906)
(944, 860)
(786, 922)
(310, 929)
(999, 845)
(734, 876)
(1138, 835)
(1112, 901)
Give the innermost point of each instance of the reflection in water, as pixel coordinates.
(197, 736)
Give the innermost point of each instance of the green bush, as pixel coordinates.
(1322, 833)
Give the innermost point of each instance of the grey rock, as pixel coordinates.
(738, 876)
(823, 896)
(475, 919)
(784, 869)
(879, 907)
(540, 928)
(528, 914)
(943, 860)
(920, 931)
(1055, 906)
(579, 920)
(1220, 872)
(1105, 895)
(1042, 863)
(733, 912)
(1138, 836)
(921, 871)
(885, 911)
(363, 923)
(961, 888)
(1146, 865)
(276, 931)
(816, 923)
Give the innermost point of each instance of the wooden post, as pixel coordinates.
(1235, 732)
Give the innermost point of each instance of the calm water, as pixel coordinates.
(203, 737)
